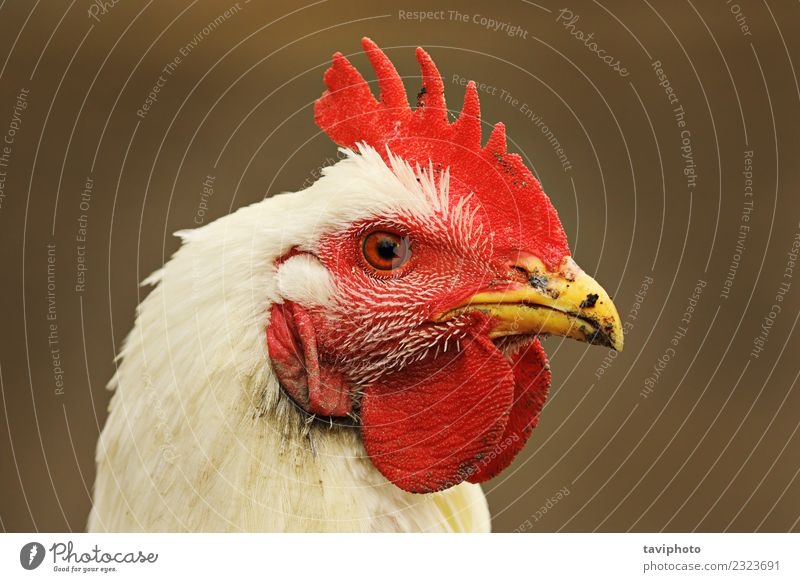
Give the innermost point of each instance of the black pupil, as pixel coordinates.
(388, 249)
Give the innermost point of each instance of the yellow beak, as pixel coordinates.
(567, 302)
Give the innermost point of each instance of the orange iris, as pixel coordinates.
(386, 252)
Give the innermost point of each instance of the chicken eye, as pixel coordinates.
(386, 251)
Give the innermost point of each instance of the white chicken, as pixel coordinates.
(357, 356)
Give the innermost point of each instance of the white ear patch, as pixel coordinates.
(304, 280)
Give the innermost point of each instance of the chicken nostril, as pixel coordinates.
(519, 273)
(521, 270)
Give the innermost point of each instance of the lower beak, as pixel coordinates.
(567, 302)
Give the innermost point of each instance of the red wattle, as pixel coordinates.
(532, 382)
(428, 426)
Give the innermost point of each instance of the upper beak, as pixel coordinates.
(567, 302)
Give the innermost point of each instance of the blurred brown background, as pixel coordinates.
(707, 442)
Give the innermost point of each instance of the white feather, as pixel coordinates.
(304, 280)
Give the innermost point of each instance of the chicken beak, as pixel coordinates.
(567, 302)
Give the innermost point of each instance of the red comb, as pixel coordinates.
(509, 193)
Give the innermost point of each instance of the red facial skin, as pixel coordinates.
(437, 403)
